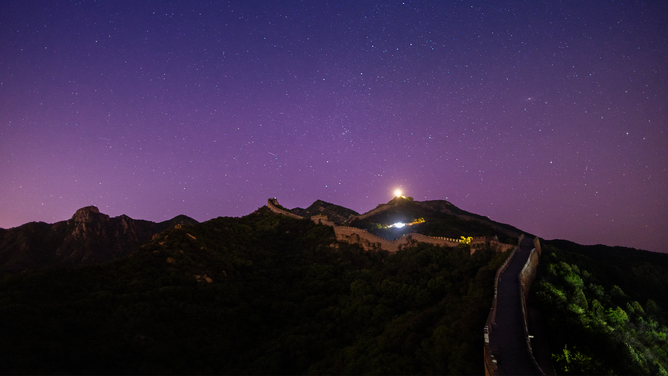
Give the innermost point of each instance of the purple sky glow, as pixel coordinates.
(547, 115)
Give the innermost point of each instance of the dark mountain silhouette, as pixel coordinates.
(442, 218)
(89, 237)
(605, 308)
(335, 213)
(272, 294)
(261, 294)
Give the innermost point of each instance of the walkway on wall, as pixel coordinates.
(509, 340)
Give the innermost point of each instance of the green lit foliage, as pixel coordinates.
(594, 315)
(616, 317)
(580, 299)
(573, 362)
(597, 309)
(573, 280)
(616, 292)
(550, 293)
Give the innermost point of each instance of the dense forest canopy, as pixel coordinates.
(271, 294)
(604, 308)
(259, 294)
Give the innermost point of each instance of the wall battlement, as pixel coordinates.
(369, 241)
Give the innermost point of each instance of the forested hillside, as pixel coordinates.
(261, 294)
(88, 238)
(604, 308)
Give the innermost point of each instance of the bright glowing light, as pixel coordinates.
(398, 193)
(402, 224)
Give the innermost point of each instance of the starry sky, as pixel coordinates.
(547, 115)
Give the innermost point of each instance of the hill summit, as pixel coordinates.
(432, 218)
(89, 237)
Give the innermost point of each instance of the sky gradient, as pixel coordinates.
(547, 115)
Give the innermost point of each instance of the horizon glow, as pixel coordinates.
(550, 117)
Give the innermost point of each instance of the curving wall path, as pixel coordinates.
(508, 349)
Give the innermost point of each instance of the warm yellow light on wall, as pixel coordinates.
(398, 193)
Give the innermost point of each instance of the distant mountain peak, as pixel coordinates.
(86, 209)
(88, 214)
(89, 237)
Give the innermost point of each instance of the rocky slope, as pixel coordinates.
(89, 237)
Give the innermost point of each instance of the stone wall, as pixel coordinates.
(368, 241)
(321, 219)
(500, 247)
(536, 244)
(528, 274)
(371, 242)
(440, 241)
(271, 204)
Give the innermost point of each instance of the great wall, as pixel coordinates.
(508, 346)
(369, 241)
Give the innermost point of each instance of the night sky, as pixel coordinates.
(547, 115)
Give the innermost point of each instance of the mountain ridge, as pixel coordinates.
(441, 218)
(88, 237)
(259, 294)
(276, 293)
(91, 237)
